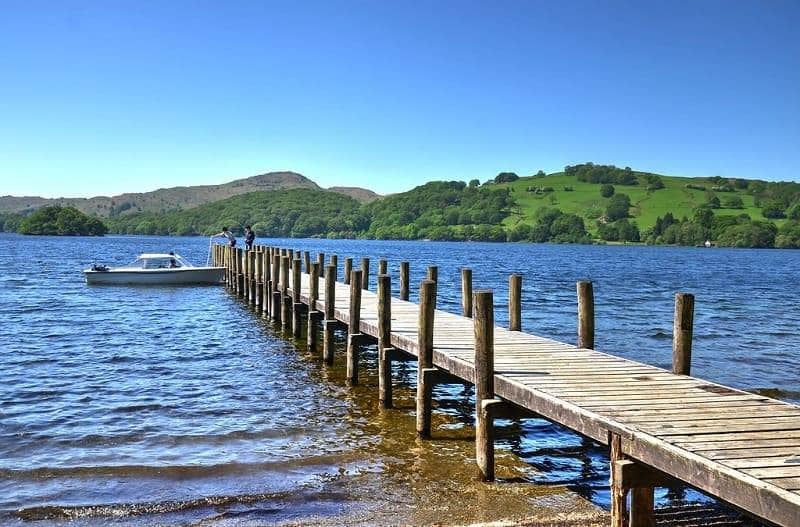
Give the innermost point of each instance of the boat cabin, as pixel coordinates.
(159, 261)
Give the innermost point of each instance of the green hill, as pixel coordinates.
(585, 203)
(583, 198)
(300, 212)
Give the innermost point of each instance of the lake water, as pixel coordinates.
(176, 404)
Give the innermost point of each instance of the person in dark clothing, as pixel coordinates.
(249, 237)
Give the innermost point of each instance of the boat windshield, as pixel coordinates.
(159, 261)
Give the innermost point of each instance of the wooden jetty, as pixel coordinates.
(660, 426)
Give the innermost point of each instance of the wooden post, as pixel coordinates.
(382, 266)
(245, 276)
(466, 292)
(348, 268)
(321, 259)
(259, 300)
(384, 340)
(275, 286)
(297, 307)
(404, 281)
(334, 260)
(329, 322)
(251, 264)
(515, 302)
(286, 301)
(642, 513)
(682, 334)
(313, 314)
(585, 315)
(307, 261)
(364, 274)
(266, 293)
(619, 505)
(427, 303)
(484, 382)
(353, 333)
(239, 272)
(433, 273)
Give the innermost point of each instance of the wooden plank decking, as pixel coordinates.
(737, 446)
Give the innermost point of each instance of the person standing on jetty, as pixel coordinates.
(249, 237)
(229, 235)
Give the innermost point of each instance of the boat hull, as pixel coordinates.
(194, 275)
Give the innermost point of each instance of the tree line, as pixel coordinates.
(452, 210)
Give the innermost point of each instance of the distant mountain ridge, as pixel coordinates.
(178, 198)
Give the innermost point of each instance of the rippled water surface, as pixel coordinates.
(176, 404)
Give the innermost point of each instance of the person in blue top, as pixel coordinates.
(229, 235)
(249, 237)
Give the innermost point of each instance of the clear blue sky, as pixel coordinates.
(107, 97)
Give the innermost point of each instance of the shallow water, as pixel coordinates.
(177, 404)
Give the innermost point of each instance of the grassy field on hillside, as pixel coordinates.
(585, 200)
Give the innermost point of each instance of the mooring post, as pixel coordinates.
(321, 259)
(384, 340)
(466, 292)
(427, 311)
(245, 275)
(286, 300)
(483, 317)
(585, 315)
(334, 261)
(229, 266)
(364, 274)
(313, 314)
(266, 294)
(348, 268)
(251, 262)
(382, 266)
(297, 306)
(353, 330)
(433, 273)
(275, 286)
(239, 273)
(259, 280)
(404, 281)
(227, 263)
(330, 322)
(682, 334)
(515, 302)
(307, 262)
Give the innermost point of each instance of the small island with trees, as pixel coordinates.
(61, 221)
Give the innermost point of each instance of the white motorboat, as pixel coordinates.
(158, 269)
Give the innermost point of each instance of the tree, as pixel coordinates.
(618, 207)
(62, 221)
(474, 183)
(732, 202)
(773, 209)
(607, 190)
(754, 234)
(703, 216)
(505, 177)
(713, 201)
